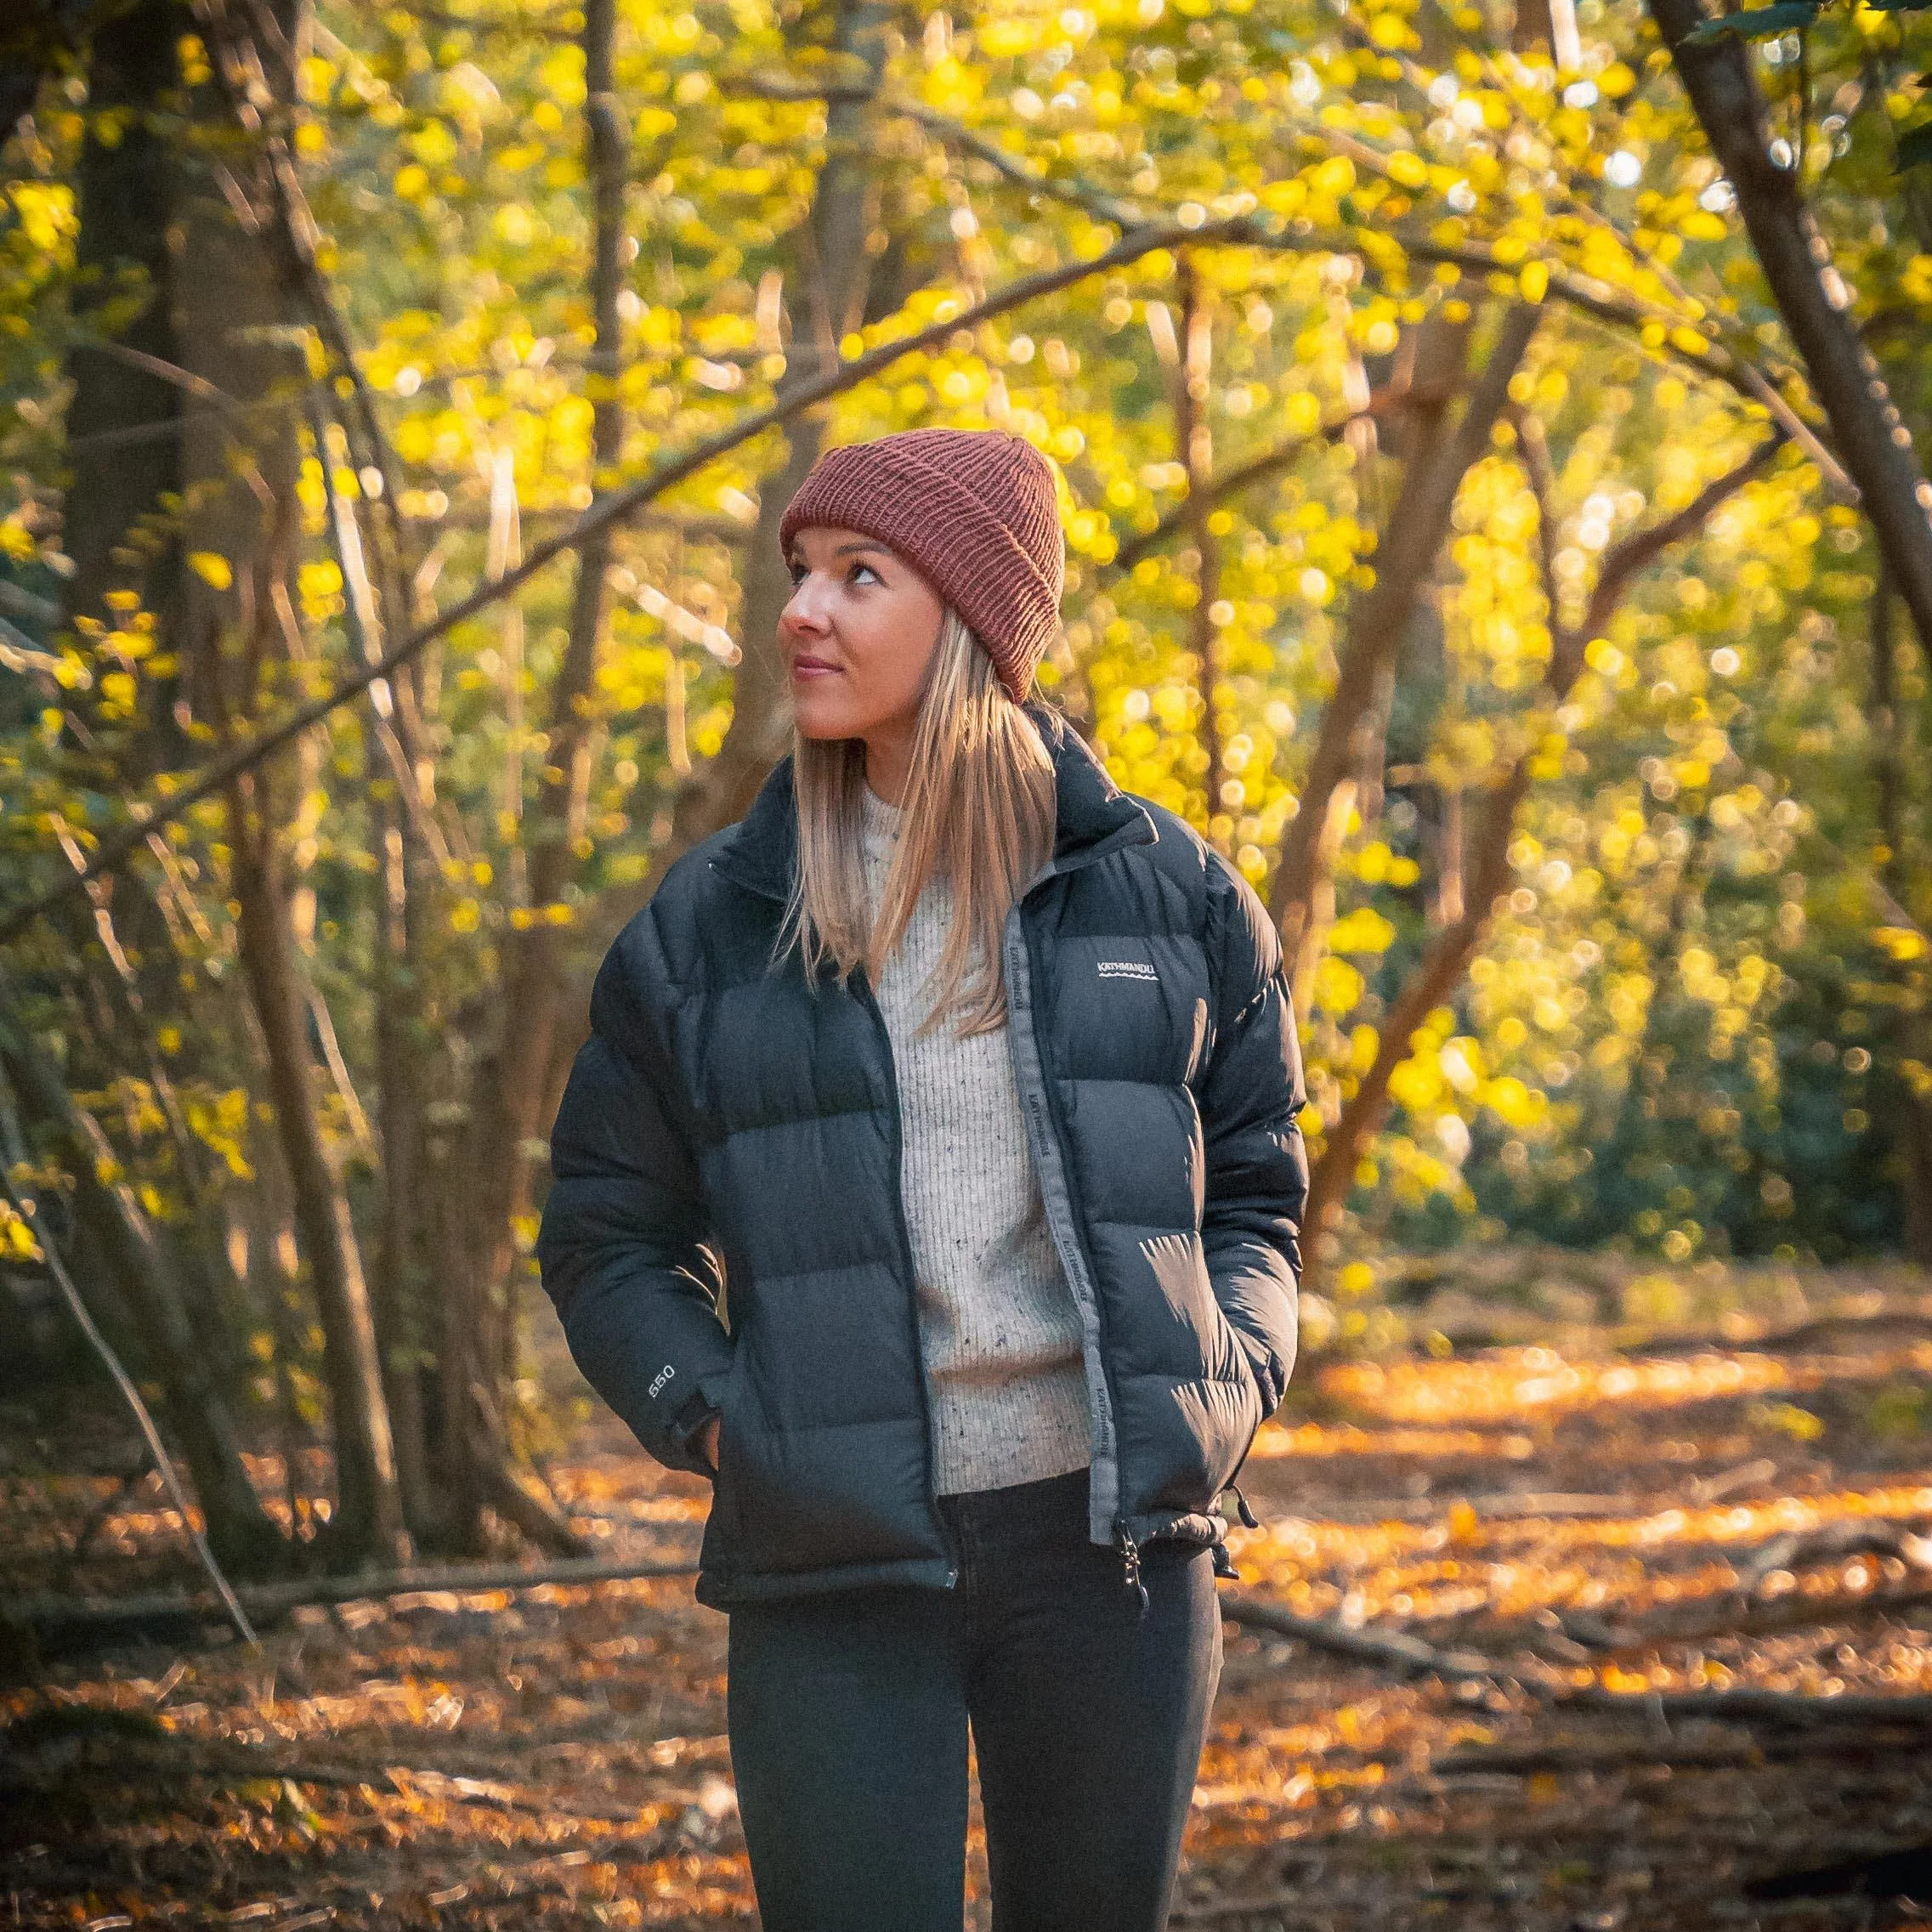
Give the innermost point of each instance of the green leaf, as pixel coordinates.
(1760, 23)
(1915, 147)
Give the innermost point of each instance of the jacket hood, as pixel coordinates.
(761, 851)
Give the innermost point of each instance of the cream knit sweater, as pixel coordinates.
(999, 1332)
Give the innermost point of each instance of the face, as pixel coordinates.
(858, 637)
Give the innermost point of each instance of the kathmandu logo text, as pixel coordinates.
(1129, 969)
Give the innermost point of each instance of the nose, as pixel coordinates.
(808, 612)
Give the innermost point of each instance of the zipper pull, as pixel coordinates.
(1249, 1520)
(1130, 1564)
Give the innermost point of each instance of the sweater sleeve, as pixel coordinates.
(1257, 1169)
(622, 1246)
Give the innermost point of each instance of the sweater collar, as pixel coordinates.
(1092, 816)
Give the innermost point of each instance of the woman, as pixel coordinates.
(974, 1081)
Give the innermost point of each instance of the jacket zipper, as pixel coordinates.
(871, 1005)
(1042, 1116)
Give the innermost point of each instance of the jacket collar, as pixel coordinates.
(1093, 816)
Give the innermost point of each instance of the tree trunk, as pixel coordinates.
(1872, 441)
(1332, 1178)
(231, 317)
(480, 1342)
(239, 1530)
(123, 422)
(1551, 23)
(1357, 797)
(397, 787)
(830, 260)
(226, 482)
(1686, 899)
(405, 1274)
(1488, 864)
(369, 1521)
(1435, 463)
(1194, 443)
(274, 1269)
(1889, 731)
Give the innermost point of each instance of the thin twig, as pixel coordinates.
(167, 371)
(1235, 231)
(150, 813)
(273, 1600)
(1242, 477)
(131, 1395)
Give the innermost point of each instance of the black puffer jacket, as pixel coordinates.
(730, 1123)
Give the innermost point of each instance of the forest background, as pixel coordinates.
(1485, 440)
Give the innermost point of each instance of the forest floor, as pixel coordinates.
(1597, 1532)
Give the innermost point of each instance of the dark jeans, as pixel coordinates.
(848, 1718)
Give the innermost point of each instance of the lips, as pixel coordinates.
(805, 666)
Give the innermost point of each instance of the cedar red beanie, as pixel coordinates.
(972, 510)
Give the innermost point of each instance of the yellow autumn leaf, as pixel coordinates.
(1363, 930)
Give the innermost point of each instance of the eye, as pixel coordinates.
(795, 569)
(864, 572)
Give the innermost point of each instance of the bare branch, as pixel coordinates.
(1244, 477)
(125, 1383)
(150, 814)
(1535, 449)
(1070, 189)
(1234, 231)
(1415, 531)
(1815, 304)
(1641, 548)
(168, 372)
(790, 88)
(1449, 953)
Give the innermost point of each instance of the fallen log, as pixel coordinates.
(1790, 1709)
(1388, 1650)
(68, 1613)
(1724, 1614)
(1800, 1549)
(1280, 1909)
(1412, 1657)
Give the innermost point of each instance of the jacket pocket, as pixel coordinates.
(1243, 1434)
(724, 1532)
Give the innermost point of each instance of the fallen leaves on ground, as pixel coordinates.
(555, 1755)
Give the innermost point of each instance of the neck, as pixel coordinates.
(888, 764)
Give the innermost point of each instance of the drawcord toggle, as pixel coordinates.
(1248, 1520)
(1131, 1563)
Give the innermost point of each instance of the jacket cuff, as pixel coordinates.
(704, 1402)
(1270, 1383)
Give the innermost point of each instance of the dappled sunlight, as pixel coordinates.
(495, 1756)
(1316, 1439)
(1509, 1382)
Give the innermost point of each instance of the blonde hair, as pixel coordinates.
(978, 812)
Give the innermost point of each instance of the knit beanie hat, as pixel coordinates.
(972, 510)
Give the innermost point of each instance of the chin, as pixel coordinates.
(822, 721)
